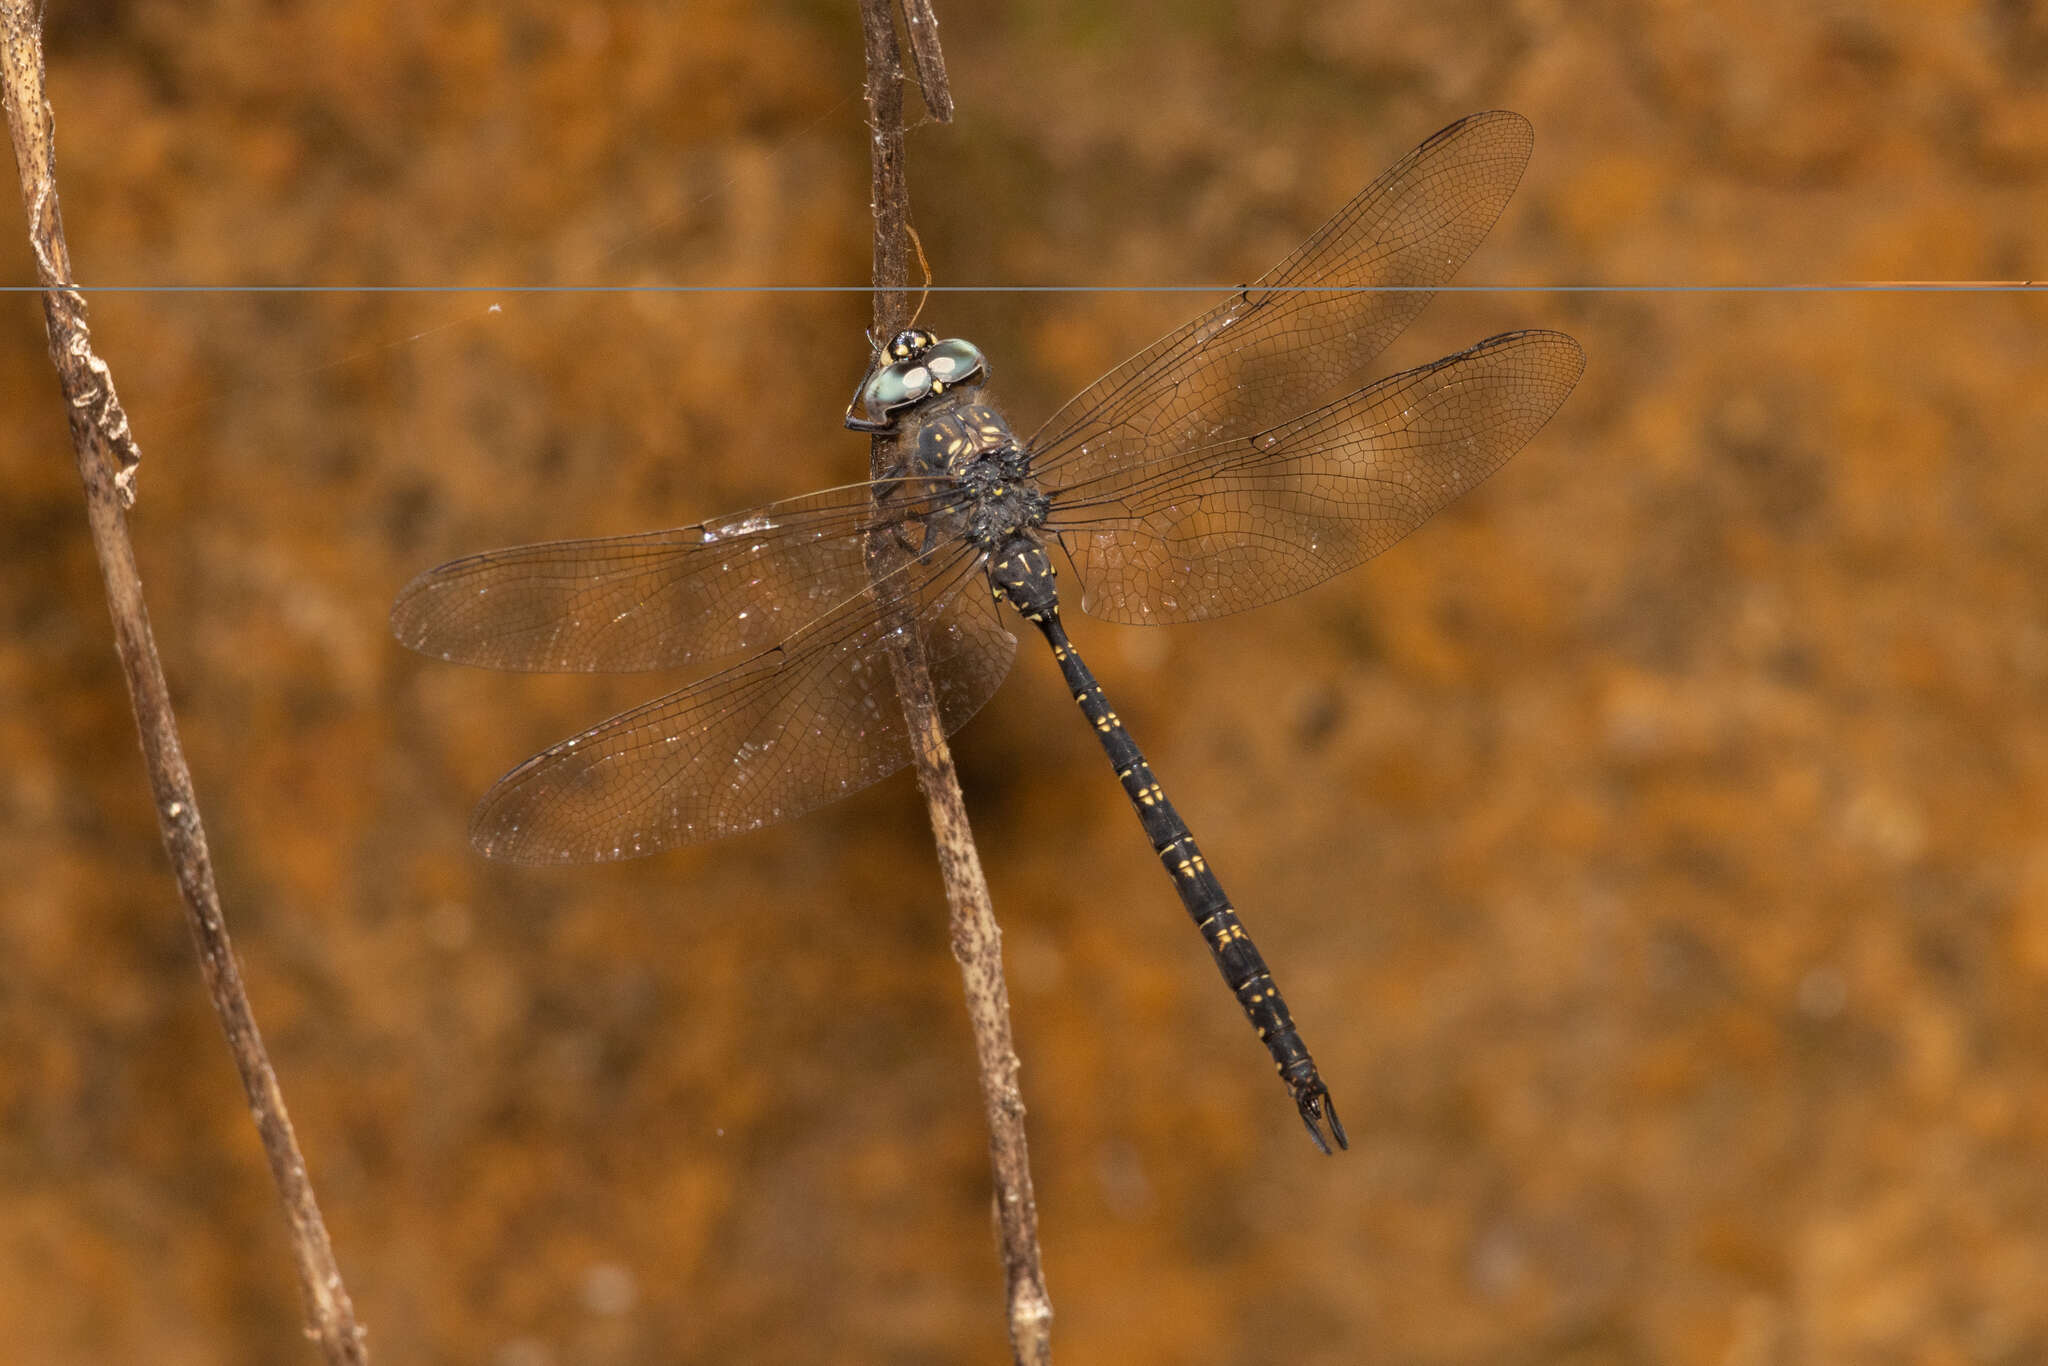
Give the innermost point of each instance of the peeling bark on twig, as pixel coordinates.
(927, 60)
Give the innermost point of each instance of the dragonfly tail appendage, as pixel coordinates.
(1319, 1113)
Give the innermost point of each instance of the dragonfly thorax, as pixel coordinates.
(969, 443)
(955, 435)
(1002, 503)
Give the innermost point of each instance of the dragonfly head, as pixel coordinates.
(914, 366)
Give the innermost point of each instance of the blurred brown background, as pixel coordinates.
(1655, 848)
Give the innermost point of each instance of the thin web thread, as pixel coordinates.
(1844, 287)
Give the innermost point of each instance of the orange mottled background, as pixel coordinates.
(1654, 849)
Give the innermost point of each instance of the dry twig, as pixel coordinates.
(927, 60)
(977, 942)
(107, 460)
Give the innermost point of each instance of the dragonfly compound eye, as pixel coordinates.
(923, 366)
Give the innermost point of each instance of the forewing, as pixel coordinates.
(1207, 532)
(771, 738)
(1309, 327)
(666, 599)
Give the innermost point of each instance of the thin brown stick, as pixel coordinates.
(977, 942)
(927, 60)
(107, 460)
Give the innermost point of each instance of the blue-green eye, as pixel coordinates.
(953, 361)
(901, 383)
(912, 367)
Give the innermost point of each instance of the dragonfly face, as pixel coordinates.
(914, 366)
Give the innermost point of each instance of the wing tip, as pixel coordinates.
(1500, 121)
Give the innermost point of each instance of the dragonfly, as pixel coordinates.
(1235, 461)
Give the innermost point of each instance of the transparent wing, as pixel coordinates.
(787, 731)
(1206, 532)
(1308, 327)
(665, 599)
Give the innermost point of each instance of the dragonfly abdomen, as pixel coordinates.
(1237, 958)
